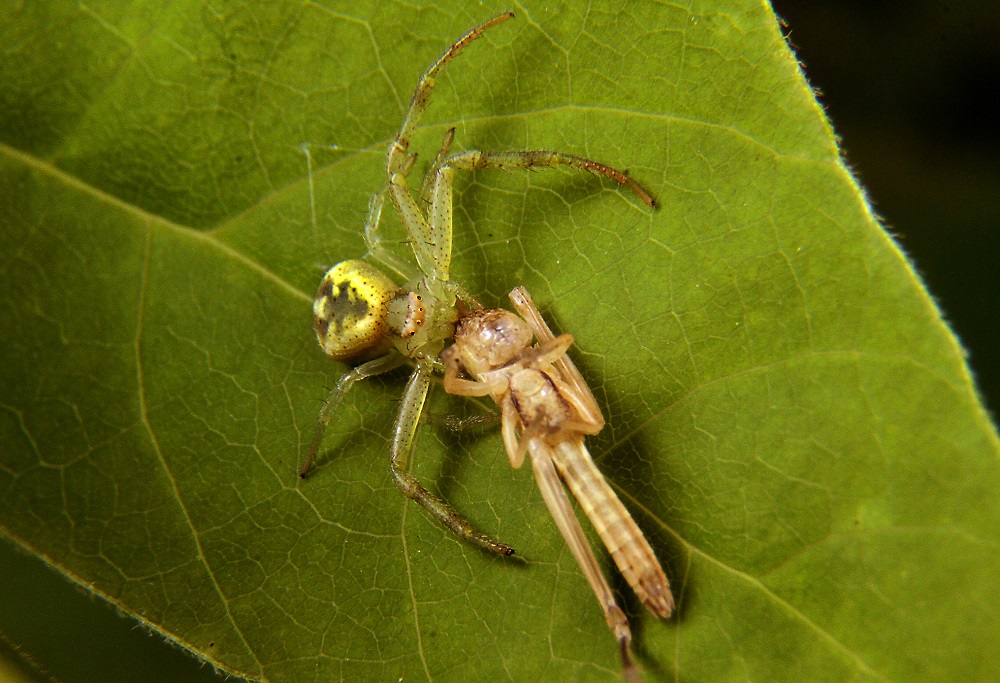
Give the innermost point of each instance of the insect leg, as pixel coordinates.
(365, 370)
(525, 307)
(414, 398)
(559, 505)
(473, 423)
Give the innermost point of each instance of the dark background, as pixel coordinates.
(911, 87)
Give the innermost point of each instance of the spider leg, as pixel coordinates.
(365, 370)
(374, 244)
(559, 505)
(430, 237)
(414, 398)
(431, 243)
(425, 189)
(398, 150)
(440, 216)
(417, 230)
(470, 302)
(527, 159)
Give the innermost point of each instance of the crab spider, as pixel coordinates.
(362, 316)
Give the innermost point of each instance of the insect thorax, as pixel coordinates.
(490, 338)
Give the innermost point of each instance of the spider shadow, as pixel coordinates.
(467, 423)
(359, 436)
(554, 194)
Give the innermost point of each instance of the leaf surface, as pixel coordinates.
(788, 417)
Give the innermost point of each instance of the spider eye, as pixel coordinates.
(416, 313)
(349, 312)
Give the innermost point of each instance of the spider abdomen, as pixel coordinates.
(349, 311)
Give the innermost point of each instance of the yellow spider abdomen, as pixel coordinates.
(349, 312)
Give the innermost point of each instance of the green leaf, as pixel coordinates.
(788, 417)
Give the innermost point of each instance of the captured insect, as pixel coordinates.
(362, 316)
(547, 409)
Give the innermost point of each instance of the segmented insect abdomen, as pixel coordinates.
(620, 533)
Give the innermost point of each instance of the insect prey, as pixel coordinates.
(547, 410)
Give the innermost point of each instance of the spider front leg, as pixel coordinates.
(430, 237)
(431, 249)
(399, 158)
(402, 443)
(539, 158)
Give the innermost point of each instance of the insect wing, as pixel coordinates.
(622, 536)
(525, 306)
(562, 511)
